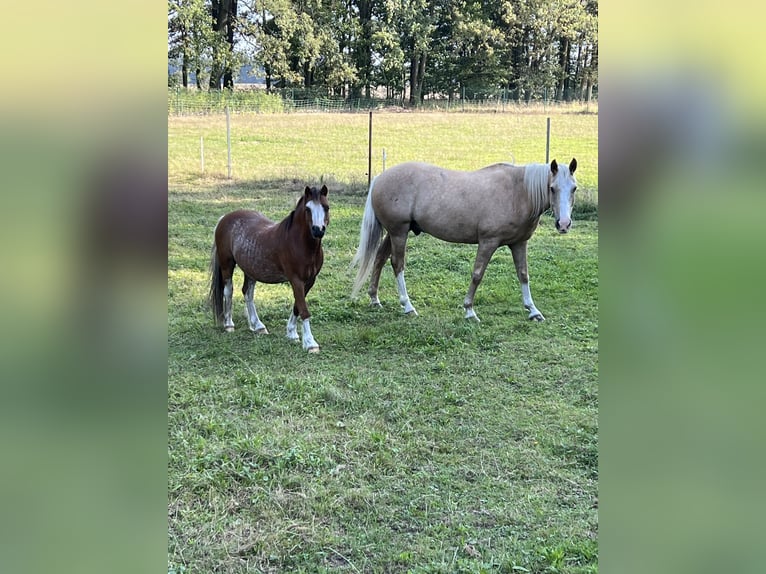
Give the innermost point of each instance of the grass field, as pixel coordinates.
(409, 444)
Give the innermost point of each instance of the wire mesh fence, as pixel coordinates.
(183, 102)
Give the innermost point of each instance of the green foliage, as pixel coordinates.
(441, 48)
(182, 102)
(408, 444)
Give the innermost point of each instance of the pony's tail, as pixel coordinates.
(369, 240)
(215, 298)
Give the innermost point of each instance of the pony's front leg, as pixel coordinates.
(483, 255)
(248, 289)
(519, 251)
(300, 309)
(292, 326)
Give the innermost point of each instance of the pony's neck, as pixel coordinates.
(295, 222)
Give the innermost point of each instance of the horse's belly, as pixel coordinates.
(455, 232)
(259, 263)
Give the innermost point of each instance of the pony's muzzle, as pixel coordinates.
(317, 231)
(563, 225)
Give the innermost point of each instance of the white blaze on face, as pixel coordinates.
(317, 213)
(566, 187)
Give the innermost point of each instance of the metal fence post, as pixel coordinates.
(228, 139)
(547, 140)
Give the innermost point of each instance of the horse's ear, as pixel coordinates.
(324, 190)
(572, 165)
(307, 191)
(554, 167)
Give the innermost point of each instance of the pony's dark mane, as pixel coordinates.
(287, 222)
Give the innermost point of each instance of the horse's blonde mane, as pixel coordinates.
(536, 181)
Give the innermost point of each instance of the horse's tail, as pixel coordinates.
(369, 241)
(215, 297)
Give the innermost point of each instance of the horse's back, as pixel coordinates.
(453, 205)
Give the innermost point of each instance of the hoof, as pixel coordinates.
(313, 349)
(375, 304)
(229, 329)
(539, 318)
(262, 331)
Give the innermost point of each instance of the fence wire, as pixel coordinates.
(183, 102)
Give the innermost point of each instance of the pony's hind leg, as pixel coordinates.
(228, 291)
(227, 272)
(384, 252)
(398, 245)
(248, 289)
(519, 251)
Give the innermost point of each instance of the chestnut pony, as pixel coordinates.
(270, 252)
(498, 205)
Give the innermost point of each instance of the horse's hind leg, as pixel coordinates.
(398, 245)
(248, 289)
(483, 255)
(384, 252)
(519, 251)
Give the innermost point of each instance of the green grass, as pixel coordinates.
(409, 444)
(334, 147)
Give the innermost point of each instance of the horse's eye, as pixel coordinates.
(553, 191)
(326, 208)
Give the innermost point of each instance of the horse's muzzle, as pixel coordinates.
(317, 232)
(563, 225)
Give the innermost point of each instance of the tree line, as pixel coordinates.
(417, 48)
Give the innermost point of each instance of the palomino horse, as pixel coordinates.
(270, 252)
(498, 205)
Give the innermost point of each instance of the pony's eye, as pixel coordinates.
(553, 190)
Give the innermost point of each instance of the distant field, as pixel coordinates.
(334, 146)
(409, 444)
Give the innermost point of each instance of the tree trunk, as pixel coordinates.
(363, 49)
(223, 14)
(563, 83)
(592, 72)
(231, 17)
(421, 76)
(185, 71)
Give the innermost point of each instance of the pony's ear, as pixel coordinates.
(324, 190)
(572, 165)
(554, 167)
(307, 193)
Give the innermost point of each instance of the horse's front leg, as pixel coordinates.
(483, 255)
(300, 309)
(519, 251)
